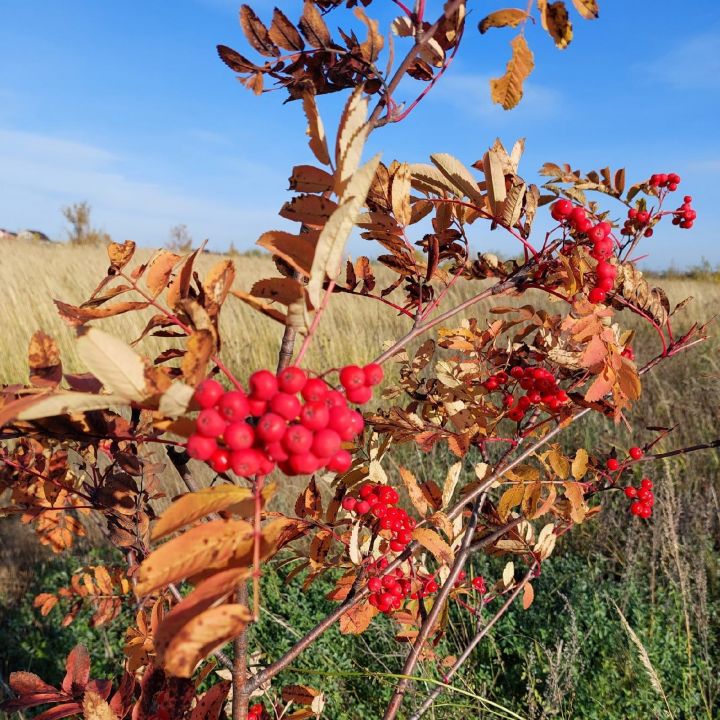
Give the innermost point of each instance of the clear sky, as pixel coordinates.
(126, 105)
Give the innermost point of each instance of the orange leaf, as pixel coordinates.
(357, 619)
(435, 544)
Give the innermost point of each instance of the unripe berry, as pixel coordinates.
(315, 390)
(351, 377)
(292, 380)
(373, 374)
(635, 453)
(233, 405)
(201, 448)
(271, 427)
(210, 423)
(263, 385)
(297, 439)
(315, 416)
(239, 436)
(245, 463)
(285, 405)
(208, 392)
(359, 395)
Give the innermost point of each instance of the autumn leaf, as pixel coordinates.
(159, 270)
(430, 540)
(555, 20)
(44, 361)
(256, 32)
(587, 8)
(313, 27)
(510, 17)
(208, 546)
(508, 89)
(315, 129)
(111, 361)
(356, 619)
(201, 635)
(120, 254)
(415, 492)
(95, 707)
(283, 33)
(218, 498)
(511, 498)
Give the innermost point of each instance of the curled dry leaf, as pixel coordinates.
(120, 254)
(510, 17)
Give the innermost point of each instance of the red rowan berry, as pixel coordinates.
(208, 392)
(362, 507)
(315, 390)
(292, 380)
(315, 415)
(349, 503)
(270, 428)
(636, 508)
(233, 405)
(373, 374)
(245, 463)
(326, 443)
(630, 492)
(257, 407)
(220, 460)
(597, 295)
(359, 395)
(263, 385)
(351, 377)
(375, 584)
(334, 399)
(635, 453)
(479, 584)
(210, 423)
(303, 463)
(646, 484)
(297, 439)
(517, 372)
(612, 464)
(200, 447)
(240, 435)
(285, 405)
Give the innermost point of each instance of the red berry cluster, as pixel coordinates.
(684, 216)
(642, 497)
(637, 221)
(379, 501)
(479, 584)
(252, 434)
(613, 463)
(598, 234)
(255, 712)
(665, 180)
(540, 388)
(388, 592)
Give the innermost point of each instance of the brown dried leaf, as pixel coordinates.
(44, 361)
(286, 291)
(414, 491)
(120, 254)
(310, 179)
(234, 60)
(256, 32)
(159, 270)
(510, 17)
(284, 33)
(357, 619)
(313, 27)
(556, 21)
(587, 8)
(315, 129)
(508, 89)
(296, 250)
(80, 315)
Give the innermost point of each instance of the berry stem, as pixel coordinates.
(315, 322)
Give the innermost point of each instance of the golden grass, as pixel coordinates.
(32, 275)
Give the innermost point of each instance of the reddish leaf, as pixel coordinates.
(78, 671)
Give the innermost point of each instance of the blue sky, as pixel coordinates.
(126, 105)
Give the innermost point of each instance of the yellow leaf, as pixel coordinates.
(111, 361)
(580, 464)
(95, 708)
(352, 133)
(587, 8)
(508, 575)
(451, 480)
(460, 177)
(315, 130)
(430, 540)
(333, 237)
(511, 498)
(417, 497)
(401, 194)
(193, 506)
